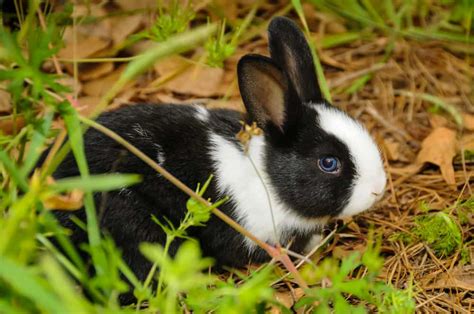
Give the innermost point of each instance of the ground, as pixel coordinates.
(413, 91)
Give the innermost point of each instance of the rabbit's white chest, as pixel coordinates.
(257, 206)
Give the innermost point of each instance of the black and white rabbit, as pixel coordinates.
(316, 162)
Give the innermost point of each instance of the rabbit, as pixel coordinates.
(311, 163)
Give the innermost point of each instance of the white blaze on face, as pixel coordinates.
(244, 178)
(369, 184)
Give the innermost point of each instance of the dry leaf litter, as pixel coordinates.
(423, 151)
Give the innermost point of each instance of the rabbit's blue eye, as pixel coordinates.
(329, 164)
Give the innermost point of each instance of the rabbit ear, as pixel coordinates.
(290, 50)
(265, 91)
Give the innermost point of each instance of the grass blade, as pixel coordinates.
(14, 172)
(63, 286)
(77, 144)
(37, 141)
(323, 85)
(334, 40)
(176, 44)
(28, 285)
(17, 215)
(96, 183)
(453, 111)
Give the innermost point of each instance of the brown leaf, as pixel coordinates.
(7, 126)
(128, 5)
(438, 121)
(5, 101)
(439, 148)
(229, 86)
(467, 142)
(70, 82)
(285, 298)
(459, 277)
(86, 40)
(87, 104)
(101, 27)
(70, 201)
(234, 104)
(140, 47)
(165, 98)
(468, 121)
(392, 148)
(170, 65)
(229, 8)
(124, 98)
(298, 293)
(100, 86)
(199, 80)
(123, 26)
(86, 46)
(92, 71)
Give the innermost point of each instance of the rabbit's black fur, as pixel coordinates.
(300, 129)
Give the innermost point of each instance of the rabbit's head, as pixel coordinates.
(320, 161)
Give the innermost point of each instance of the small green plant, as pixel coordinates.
(445, 20)
(369, 291)
(397, 301)
(173, 20)
(177, 276)
(462, 13)
(404, 237)
(38, 274)
(222, 46)
(465, 210)
(440, 232)
(219, 48)
(185, 282)
(424, 207)
(469, 155)
(182, 279)
(196, 216)
(41, 270)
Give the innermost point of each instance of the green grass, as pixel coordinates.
(367, 290)
(39, 276)
(447, 21)
(218, 48)
(170, 21)
(441, 230)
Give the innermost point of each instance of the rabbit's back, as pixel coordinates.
(175, 136)
(169, 134)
